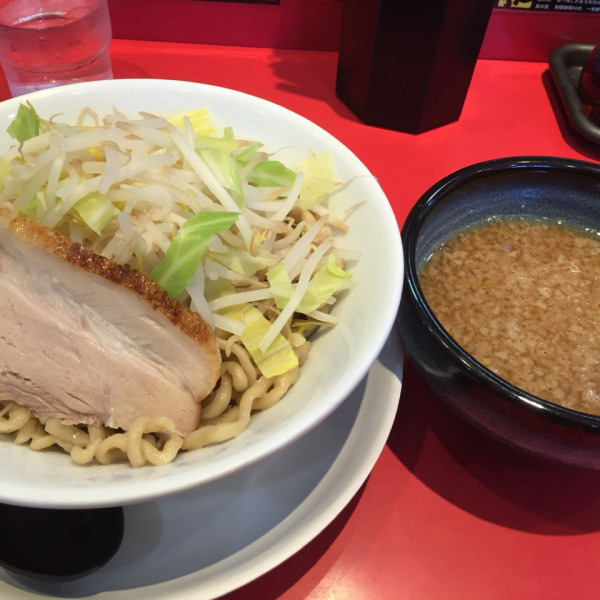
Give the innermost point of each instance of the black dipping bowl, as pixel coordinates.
(537, 187)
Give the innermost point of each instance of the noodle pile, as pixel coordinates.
(226, 413)
(265, 284)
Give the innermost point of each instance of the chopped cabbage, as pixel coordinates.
(186, 249)
(281, 284)
(241, 237)
(25, 125)
(279, 357)
(199, 120)
(271, 173)
(96, 211)
(319, 181)
(241, 261)
(323, 285)
(224, 168)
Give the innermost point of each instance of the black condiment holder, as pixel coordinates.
(406, 65)
(566, 64)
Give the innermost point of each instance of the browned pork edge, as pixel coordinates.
(77, 255)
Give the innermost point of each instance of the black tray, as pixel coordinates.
(566, 64)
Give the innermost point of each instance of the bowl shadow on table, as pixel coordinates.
(574, 139)
(486, 477)
(302, 76)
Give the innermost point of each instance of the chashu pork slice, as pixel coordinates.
(88, 341)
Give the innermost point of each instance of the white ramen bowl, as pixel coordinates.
(339, 358)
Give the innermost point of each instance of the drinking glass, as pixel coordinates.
(44, 43)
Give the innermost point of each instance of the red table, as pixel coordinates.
(446, 513)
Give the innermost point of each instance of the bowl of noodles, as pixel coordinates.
(325, 336)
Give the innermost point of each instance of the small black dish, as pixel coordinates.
(566, 64)
(58, 544)
(540, 187)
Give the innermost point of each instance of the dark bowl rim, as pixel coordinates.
(410, 230)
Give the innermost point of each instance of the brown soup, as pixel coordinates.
(523, 298)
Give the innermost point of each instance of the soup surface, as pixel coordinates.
(523, 298)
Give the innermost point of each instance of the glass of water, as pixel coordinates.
(44, 43)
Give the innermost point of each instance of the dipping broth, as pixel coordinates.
(523, 299)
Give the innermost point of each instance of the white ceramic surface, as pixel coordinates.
(339, 359)
(207, 542)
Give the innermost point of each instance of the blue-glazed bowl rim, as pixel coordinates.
(410, 232)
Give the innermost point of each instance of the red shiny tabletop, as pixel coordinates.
(446, 512)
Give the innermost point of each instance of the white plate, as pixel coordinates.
(207, 542)
(339, 359)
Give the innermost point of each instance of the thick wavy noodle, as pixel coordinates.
(225, 414)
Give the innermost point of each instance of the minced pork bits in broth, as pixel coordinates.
(523, 298)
